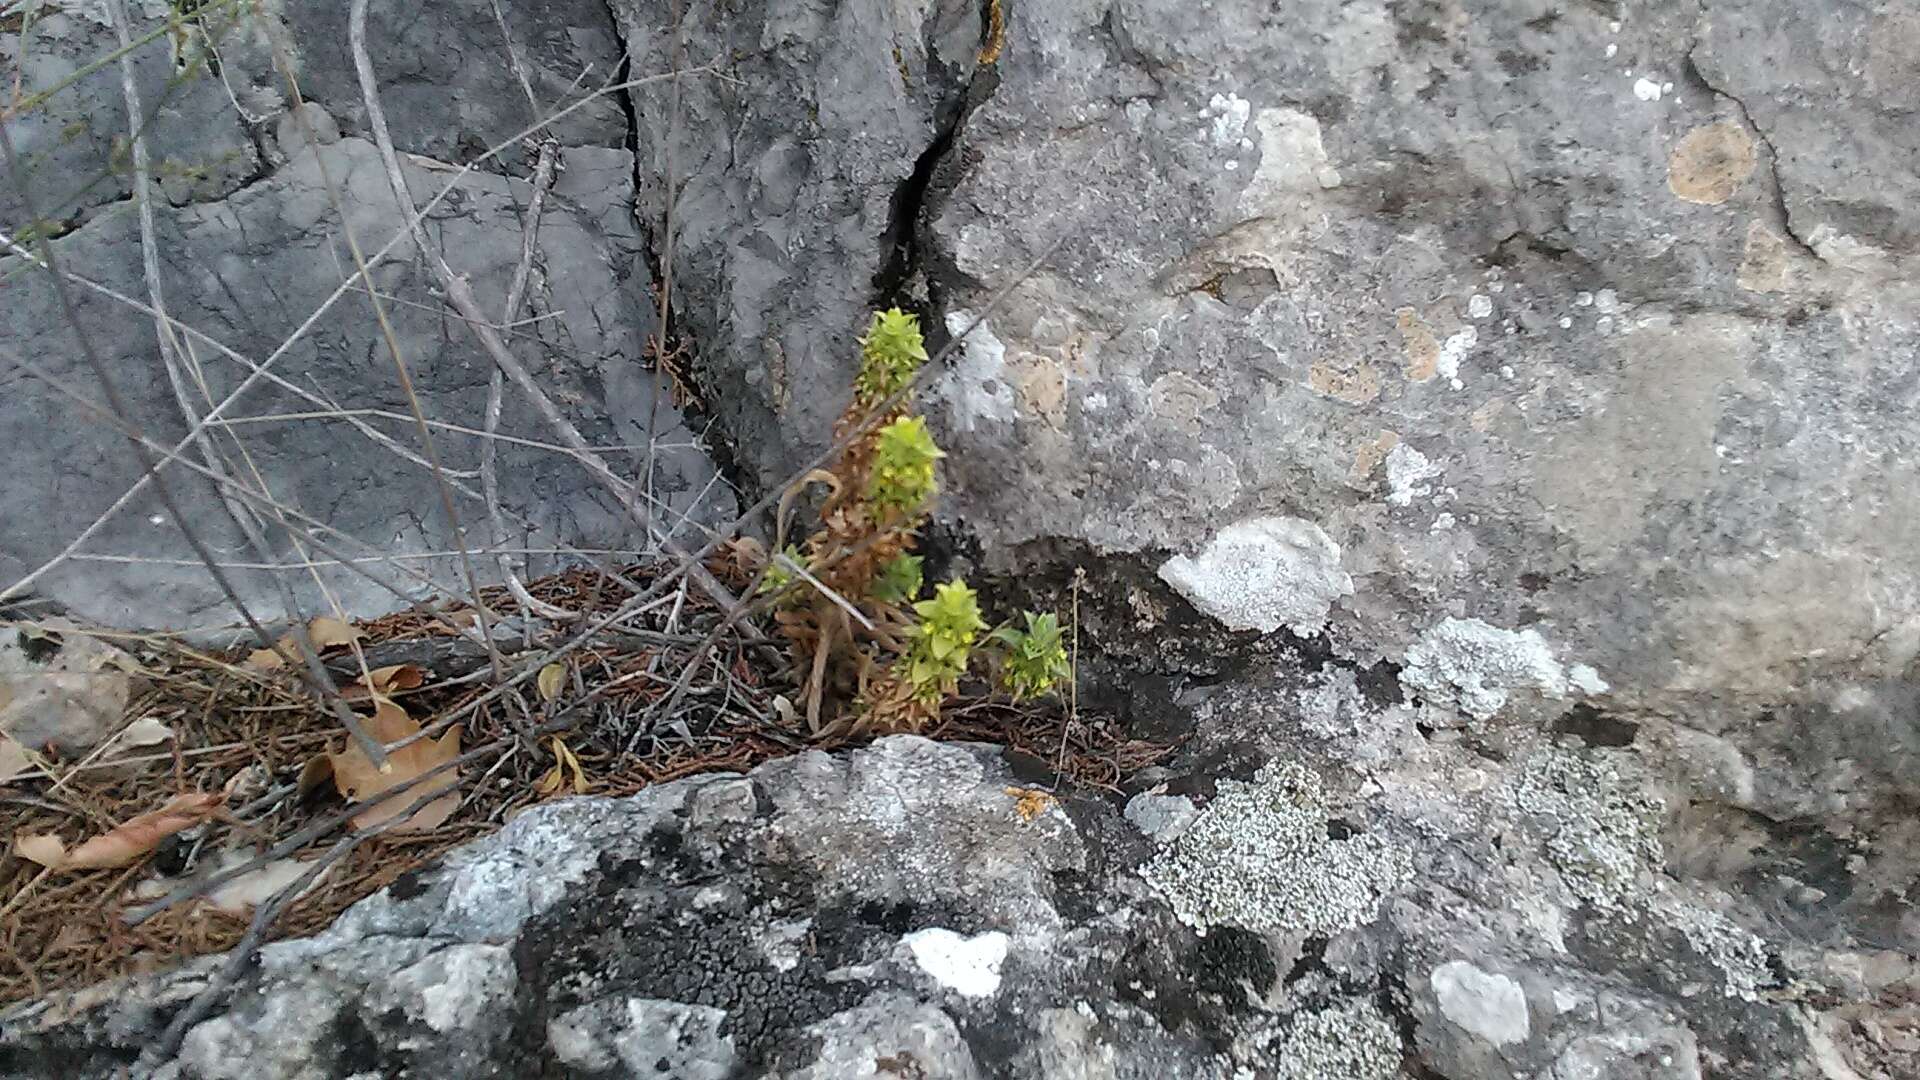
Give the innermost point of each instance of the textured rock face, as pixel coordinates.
(1505, 411)
(796, 198)
(892, 912)
(1502, 299)
(248, 253)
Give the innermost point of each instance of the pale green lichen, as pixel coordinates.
(1350, 1040)
(1599, 830)
(1259, 858)
(1741, 957)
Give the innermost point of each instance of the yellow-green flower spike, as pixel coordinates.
(778, 575)
(903, 456)
(942, 641)
(1036, 659)
(890, 353)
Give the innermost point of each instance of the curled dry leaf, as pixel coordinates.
(552, 678)
(564, 764)
(256, 887)
(126, 842)
(383, 682)
(318, 770)
(328, 632)
(324, 631)
(145, 731)
(356, 778)
(785, 709)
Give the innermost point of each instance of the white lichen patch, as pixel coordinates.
(1452, 351)
(1599, 830)
(1486, 1003)
(1351, 1040)
(1259, 858)
(969, 966)
(977, 388)
(1741, 957)
(1162, 817)
(1228, 113)
(1407, 468)
(1476, 667)
(1293, 162)
(1262, 574)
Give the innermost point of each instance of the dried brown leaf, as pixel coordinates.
(127, 841)
(14, 759)
(327, 632)
(268, 659)
(318, 770)
(381, 682)
(356, 778)
(552, 678)
(145, 731)
(257, 886)
(43, 848)
(565, 764)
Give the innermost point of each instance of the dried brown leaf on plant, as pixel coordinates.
(317, 770)
(125, 842)
(324, 631)
(356, 778)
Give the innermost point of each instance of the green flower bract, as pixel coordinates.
(942, 641)
(903, 457)
(899, 580)
(890, 353)
(1036, 658)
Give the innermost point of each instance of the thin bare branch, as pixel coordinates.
(151, 464)
(377, 121)
(543, 172)
(319, 312)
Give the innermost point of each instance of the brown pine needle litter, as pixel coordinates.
(259, 744)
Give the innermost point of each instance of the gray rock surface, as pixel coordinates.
(890, 912)
(1577, 339)
(796, 200)
(1487, 431)
(247, 259)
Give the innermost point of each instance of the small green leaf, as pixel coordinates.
(899, 580)
(890, 353)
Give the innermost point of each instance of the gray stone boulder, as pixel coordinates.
(917, 909)
(247, 259)
(1557, 358)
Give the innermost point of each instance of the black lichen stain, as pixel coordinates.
(640, 933)
(1595, 728)
(1197, 984)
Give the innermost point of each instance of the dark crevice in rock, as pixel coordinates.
(1595, 728)
(1692, 70)
(904, 245)
(1395, 1002)
(902, 240)
(624, 97)
(1123, 50)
